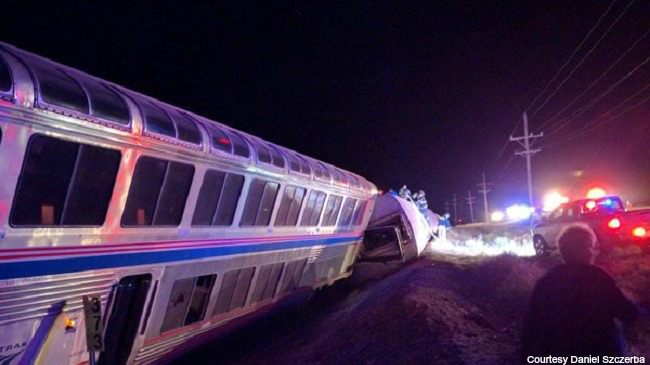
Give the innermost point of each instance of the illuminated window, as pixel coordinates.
(64, 184)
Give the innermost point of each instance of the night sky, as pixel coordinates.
(420, 92)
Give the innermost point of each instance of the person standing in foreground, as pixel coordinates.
(573, 306)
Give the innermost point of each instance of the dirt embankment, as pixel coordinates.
(441, 309)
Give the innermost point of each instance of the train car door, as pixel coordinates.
(130, 296)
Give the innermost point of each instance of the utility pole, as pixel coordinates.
(471, 200)
(454, 201)
(527, 152)
(447, 206)
(483, 189)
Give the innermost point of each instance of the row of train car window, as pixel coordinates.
(87, 95)
(65, 183)
(189, 298)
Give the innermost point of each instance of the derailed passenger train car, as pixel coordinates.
(183, 226)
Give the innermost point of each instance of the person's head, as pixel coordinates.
(447, 215)
(576, 243)
(421, 192)
(404, 186)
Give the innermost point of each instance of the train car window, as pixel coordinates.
(217, 199)
(289, 206)
(309, 208)
(64, 183)
(259, 203)
(5, 76)
(292, 275)
(263, 154)
(58, 89)
(313, 209)
(294, 165)
(171, 203)
(326, 174)
(346, 212)
(179, 300)
(220, 140)
(188, 301)
(91, 187)
(240, 147)
(234, 289)
(343, 178)
(226, 291)
(200, 298)
(158, 192)
(331, 210)
(317, 171)
(242, 288)
(359, 212)
(105, 103)
(304, 166)
(156, 120)
(267, 282)
(206, 204)
(278, 160)
(228, 202)
(187, 128)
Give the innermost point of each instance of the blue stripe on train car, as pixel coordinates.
(22, 269)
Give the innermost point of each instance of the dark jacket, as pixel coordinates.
(572, 312)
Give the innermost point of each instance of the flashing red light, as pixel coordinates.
(591, 205)
(223, 140)
(614, 223)
(639, 232)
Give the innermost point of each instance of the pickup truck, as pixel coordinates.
(606, 216)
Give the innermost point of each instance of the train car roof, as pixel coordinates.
(64, 90)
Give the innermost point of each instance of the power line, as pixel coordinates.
(595, 123)
(593, 102)
(595, 81)
(571, 57)
(582, 60)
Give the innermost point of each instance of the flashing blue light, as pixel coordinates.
(608, 202)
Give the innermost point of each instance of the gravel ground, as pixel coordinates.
(441, 309)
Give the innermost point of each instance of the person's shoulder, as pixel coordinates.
(599, 273)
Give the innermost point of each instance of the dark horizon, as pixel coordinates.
(425, 94)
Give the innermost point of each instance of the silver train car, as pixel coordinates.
(183, 226)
